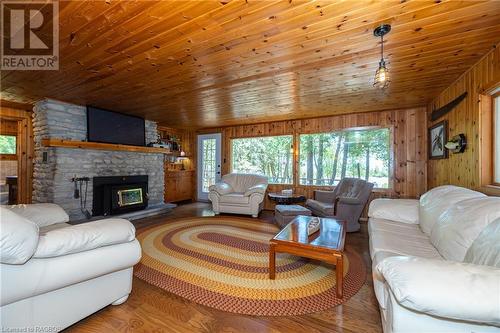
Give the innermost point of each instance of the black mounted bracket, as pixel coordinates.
(436, 114)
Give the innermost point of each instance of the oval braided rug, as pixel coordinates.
(222, 262)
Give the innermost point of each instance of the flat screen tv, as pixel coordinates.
(113, 127)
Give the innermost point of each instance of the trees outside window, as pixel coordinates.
(326, 158)
(270, 156)
(8, 144)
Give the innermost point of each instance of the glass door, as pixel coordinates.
(209, 163)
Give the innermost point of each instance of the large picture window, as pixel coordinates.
(326, 158)
(270, 156)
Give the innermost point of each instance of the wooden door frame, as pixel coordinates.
(25, 151)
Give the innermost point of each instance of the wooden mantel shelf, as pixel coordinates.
(102, 146)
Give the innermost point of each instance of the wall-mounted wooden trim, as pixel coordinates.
(102, 146)
(8, 157)
(486, 140)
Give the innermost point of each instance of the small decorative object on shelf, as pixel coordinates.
(287, 192)
(313, 225)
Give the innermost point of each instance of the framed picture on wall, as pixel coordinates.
(438, 135)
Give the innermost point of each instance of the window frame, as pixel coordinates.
(9, 157)
(390, 128)
(495, 98)
(486, 133)
(291, 135)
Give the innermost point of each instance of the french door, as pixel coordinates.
(209, 163)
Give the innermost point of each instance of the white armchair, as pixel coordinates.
(239, 194)
(53, 274)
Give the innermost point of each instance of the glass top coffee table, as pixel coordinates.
(326, 245)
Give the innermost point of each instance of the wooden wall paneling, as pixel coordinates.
(24, 150)
(407, 134)
(465, 169)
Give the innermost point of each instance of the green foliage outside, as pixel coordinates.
(326, 158)
(7, 144)
(270, 156)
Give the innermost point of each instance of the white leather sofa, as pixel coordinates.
(239, 194)
(436, 261)
(53, 274)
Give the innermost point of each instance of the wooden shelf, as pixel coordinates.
(102, 146)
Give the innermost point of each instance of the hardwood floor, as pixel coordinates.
(151, 309)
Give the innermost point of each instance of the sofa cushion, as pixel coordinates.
(460, 225)
(400, 238)
(242, 182)
(235, 198)
(402, 210)
(436, 201)
(18, 237)
(485, 250)
(394, 227)
(326, 209)
(42, 214)
(84, 237)
(444, 289)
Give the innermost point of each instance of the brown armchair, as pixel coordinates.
(345, 202)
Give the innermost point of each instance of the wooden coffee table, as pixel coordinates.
(326, 245)
(286, 199)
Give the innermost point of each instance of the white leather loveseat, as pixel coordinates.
(239, 194)
(53, 274)
(436, 261)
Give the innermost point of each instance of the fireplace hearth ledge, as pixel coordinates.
(151, 210)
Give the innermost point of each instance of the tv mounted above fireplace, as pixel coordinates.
(113, 127)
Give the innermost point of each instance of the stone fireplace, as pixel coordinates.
(55, 167)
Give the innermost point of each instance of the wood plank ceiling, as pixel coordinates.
(213, 63)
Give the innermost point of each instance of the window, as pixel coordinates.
(270, 156)
(326, 158)
(496, 136)
(8, 145)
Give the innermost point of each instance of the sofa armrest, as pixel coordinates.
(324, 196)
(221, 188)
(84, 237)
(42, 214)
(18, 238)
(260, 188)
(348, 201)
(401, 210)
(444, 288)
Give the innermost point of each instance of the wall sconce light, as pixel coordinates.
(457, 144)
(291, 149)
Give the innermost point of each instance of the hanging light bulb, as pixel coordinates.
(382, 74)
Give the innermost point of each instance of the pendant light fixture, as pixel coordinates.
(381, 75)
